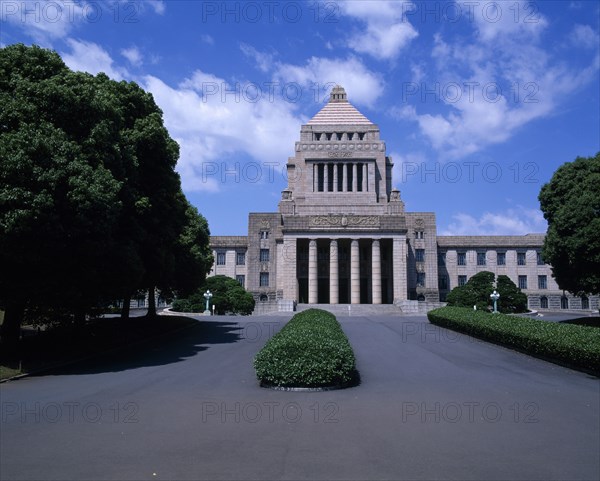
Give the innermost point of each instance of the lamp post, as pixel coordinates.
(495, 296)
(207, 296)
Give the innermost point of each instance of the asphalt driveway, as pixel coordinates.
(432, 404)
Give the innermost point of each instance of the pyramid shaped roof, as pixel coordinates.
(339, 111)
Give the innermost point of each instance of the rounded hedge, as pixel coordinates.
(310, 351)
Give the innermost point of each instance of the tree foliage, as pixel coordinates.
(571, 205)
(476, 292)
(91, 208)
(228, 296)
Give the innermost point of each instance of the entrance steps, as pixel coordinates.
(341, 310)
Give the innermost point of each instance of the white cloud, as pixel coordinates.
(386, 27)
(211, 125)
(263, 61)
(494, 85)
(363, 86)
(134, 56)
(516, 221)
(158, 6)
(499, 21)
(207, 39)
(90, 57)
(585, 36)
(46, 21)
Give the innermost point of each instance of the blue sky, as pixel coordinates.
(479, 102)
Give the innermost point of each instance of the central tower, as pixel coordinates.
(343, 226)
(340, 166)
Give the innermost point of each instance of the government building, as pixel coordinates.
(341, 234)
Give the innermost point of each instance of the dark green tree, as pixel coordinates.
(476, 292)
(571, 205)
(91, 208)
(512, 300)
(228, 296)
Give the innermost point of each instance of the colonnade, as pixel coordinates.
(340, 176)
(313, 279)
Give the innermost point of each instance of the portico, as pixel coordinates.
(344, 269)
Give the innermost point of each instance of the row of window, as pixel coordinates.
(461, 258)
(240, 258)
(263, 280)
(564, 302)
(462, 280)
(339, 136)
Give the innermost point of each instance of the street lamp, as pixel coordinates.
(207, 296)
(495, 296)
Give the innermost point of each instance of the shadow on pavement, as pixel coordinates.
(158, 350)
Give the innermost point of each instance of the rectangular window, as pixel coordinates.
(501, 259)
(443, 282)
(264, 234)
(220, 258)
(241, 279)
(481, 258)
(462, 259)
(420, 255)
(542, 282)
(264, 279)
(462, 280)
(442, 259)
(522, 282)
(419, 234)
(420, 279)
(521, 258)
(264, 255)
(540, 261)
(241, 259)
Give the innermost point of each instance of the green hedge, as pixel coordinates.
(572, 345)
(311, 350)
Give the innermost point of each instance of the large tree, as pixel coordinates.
(571, 205)
(476, 292)
(91, 207)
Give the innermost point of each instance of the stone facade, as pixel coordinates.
(341, 234)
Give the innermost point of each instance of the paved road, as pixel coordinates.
(432, 405)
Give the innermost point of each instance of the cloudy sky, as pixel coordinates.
(479, 102)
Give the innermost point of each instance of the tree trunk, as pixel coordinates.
(126, 307)
(151, 302)
(13, 317)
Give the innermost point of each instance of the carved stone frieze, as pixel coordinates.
(344, 221)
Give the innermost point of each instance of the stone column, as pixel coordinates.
(354, 272)
(371, 176)
(399, 269)
(290, 278)
(335, 177)
(334, 287)
(325, 177)
(354, 177)
(344, 177)
(313, 288)
(376, 271)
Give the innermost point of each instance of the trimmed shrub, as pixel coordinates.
(311, 350)
(575, 346)
(228, 297)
